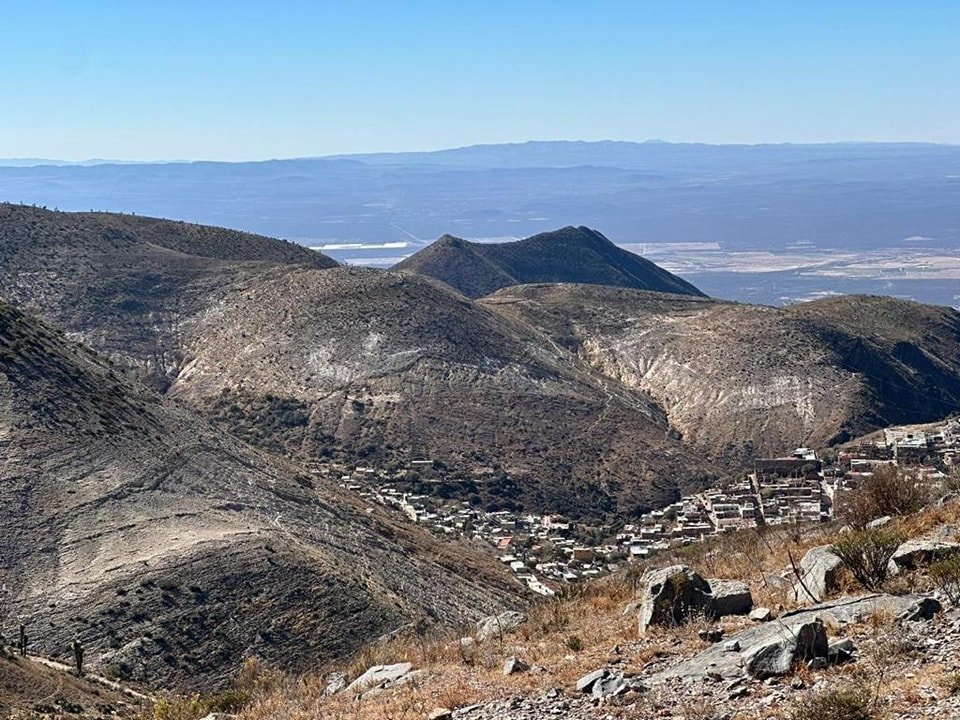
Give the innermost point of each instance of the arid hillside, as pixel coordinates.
(124, 284)
(568, 255)
(387, 367)
(739, 380)
(173, 550)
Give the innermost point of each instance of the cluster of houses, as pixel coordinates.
(546, 551)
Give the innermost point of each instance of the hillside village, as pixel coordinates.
(546, 551)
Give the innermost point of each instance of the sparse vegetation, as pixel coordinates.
(841, 703)
(867, 554)
(888, 491)
(945, 574)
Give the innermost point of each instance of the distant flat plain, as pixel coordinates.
(770, 224)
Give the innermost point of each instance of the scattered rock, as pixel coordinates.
(440, 714)
(878, 522)
(711, 635)
(918, 553)
(608, 682)
(670, 596)
(922, 609)
(336, 682)
(761, 614)
(817, 663)
(732, 646)
(841, 651)
(729, 597)
(514, 665)
(776, 655)
(497, 625)
(585, 684)
(820, 570)
(380, 677)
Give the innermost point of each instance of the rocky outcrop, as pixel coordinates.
(776, 654)
(495, 626)
(770, 648)
(381, 677)
(820, 570)
(918, 553)
(671, 596)
(674, 595)
(729, 597)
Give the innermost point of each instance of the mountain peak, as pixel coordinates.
(568, 255)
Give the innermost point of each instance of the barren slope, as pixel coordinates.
(578, 255)
(739, 379)
(126, 284)
(173, 550)
(399, 367)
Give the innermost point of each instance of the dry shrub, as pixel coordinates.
(888, 491)
(840, 703)
(945, 574)
(867, 554)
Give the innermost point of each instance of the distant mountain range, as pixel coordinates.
(570, 255)
(799, 202)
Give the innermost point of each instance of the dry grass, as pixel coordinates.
(568, 636)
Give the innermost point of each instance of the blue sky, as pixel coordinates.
(244, 80)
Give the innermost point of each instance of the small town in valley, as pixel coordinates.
(545, 552)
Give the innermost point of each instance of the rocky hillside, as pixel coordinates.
(390, 367)
(126, 284)
(721, 629)
(172, 550)
(569, 255)
(738, 380)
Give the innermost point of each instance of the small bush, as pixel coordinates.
(867, 554)
(946, 576)
(574, 643)
(886, 492)
(851, 703)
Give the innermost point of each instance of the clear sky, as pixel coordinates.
(235, 80)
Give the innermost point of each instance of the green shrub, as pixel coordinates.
(946, 576)
(867, 554)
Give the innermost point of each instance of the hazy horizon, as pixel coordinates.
(246, 80)
(26, 161)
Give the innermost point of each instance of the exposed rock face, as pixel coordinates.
(775, 655)
(820, 569)
(729, 597)
(502, 623)
(769, 648)
(918, 553)
(740, 381)
(172, 550)
(670, 596)
(570, 255)
(380, 677)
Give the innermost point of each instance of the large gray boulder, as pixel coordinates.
(820, 572)
(496, 625)
(729, 597)
(670, 596)
(776, 654)
(918, 553)
(769, 646)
